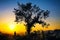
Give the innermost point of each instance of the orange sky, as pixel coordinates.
(21, 29)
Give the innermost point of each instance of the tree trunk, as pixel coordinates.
(29, 25)
(28, 30)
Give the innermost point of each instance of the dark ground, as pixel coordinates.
(39, 35)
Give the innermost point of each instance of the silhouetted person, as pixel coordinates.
(15, 36)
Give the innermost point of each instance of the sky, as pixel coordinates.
(7, 16)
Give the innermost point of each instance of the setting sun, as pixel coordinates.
(12, 27)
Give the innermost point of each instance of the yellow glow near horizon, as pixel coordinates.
(20, 28)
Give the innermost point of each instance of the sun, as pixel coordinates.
(12, 27)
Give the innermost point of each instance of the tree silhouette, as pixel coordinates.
(31, 14)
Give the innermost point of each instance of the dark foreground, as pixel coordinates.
(39, 35)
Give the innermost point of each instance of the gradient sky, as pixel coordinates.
(7, 7)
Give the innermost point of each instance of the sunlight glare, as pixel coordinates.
(12, 27)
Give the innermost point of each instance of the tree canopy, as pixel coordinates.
(30, 14)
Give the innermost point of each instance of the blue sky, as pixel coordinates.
(52, 5)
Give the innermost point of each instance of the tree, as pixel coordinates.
(31, 14)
